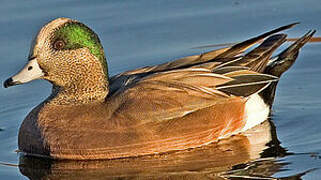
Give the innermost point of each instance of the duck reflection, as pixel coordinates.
(226, 159)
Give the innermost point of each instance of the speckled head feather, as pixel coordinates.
(75, 35)
(71, 56)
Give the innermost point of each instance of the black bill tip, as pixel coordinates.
(9, 82)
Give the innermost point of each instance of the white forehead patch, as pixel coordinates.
(42, 38)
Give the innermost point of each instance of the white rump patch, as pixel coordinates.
(256, 111)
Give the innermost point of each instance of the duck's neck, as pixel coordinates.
(89, 89)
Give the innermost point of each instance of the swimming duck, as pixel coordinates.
(186, 103)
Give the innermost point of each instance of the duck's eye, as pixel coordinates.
(59, 44)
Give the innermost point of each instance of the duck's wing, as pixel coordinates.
(219, 55)
(255, 60)
(178, 93)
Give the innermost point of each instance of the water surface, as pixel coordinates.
(139, 33)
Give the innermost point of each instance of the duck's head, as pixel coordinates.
(66, 53)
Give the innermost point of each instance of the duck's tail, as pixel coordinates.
(281, 63)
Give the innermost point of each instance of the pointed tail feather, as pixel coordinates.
(240, 47)
(257, 59)
(312, 40)
(286, 59)
(282, 63)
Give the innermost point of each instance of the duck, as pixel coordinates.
(182, 104)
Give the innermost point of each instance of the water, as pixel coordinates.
(139, 33)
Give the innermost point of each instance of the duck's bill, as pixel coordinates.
(30, 72)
